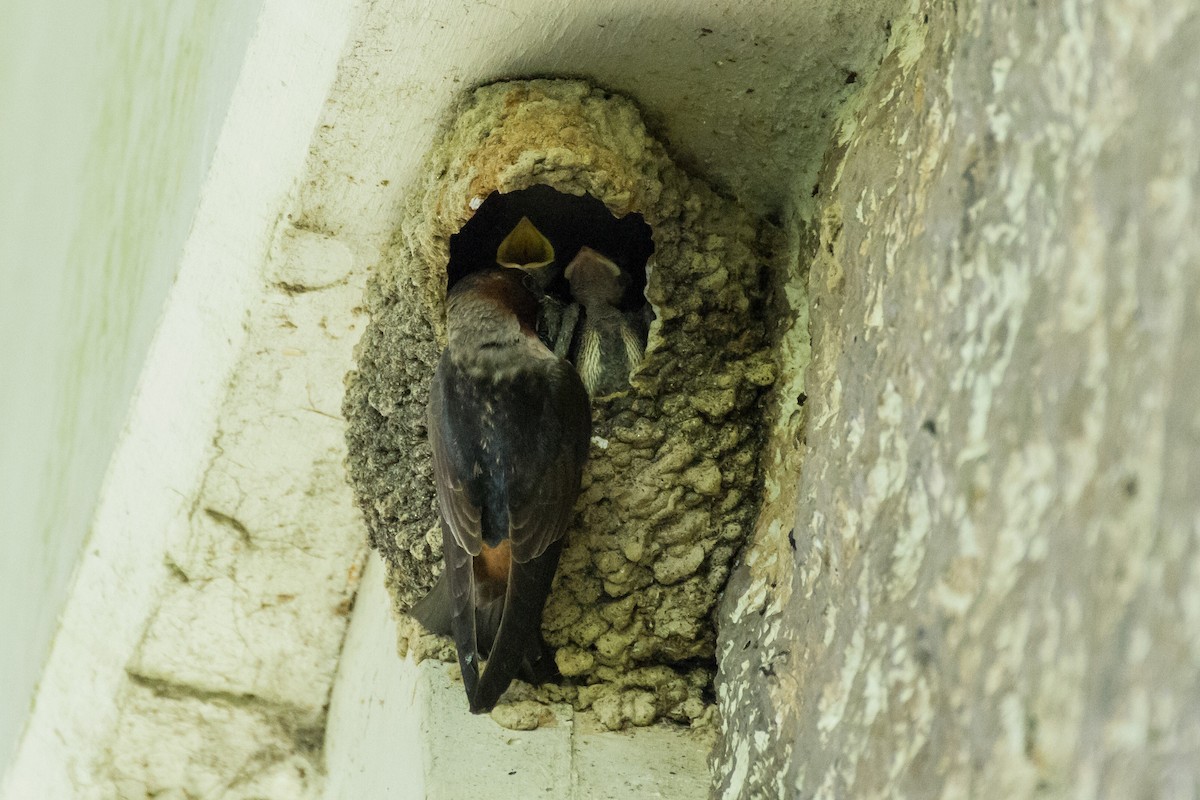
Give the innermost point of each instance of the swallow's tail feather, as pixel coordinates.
(433, 610)
(539, 666)
(487, 623)
(518, 640)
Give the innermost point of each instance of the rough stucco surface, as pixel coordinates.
(671, 483)
(995, 583)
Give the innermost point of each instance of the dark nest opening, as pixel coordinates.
(569, 222)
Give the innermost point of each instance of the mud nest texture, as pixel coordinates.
(672, 484)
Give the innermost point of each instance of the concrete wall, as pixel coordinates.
(111, 113)
(986, 579)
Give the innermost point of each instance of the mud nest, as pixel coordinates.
(672, 485)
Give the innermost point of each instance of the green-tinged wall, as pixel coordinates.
(110, 113)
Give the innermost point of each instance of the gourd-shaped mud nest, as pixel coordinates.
(672, 485)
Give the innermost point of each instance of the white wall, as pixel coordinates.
(111, 112)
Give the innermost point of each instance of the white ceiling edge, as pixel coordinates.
(290, 65)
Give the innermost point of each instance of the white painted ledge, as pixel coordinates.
(262, 149)
(402, 730)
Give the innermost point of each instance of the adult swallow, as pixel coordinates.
(608, 347)
(509, 427)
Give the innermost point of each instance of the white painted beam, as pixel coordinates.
(289, 68)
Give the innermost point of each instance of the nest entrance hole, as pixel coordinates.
(569, 222)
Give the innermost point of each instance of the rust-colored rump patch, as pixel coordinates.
(491, 565)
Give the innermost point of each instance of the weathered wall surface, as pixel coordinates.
(239, 654)
(992, 585)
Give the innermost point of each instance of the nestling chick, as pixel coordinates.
(607, 345)
(509, 426)
(527, 249)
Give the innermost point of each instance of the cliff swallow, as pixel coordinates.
(509, 427)
(608, 346)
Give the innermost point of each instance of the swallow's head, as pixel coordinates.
(594, 278)
(491, 321)
(526, 249)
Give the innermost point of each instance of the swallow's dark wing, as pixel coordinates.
(453, 440)
(554, 425)
(544, 484)
(460, 496)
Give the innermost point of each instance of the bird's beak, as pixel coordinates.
(525, 248)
